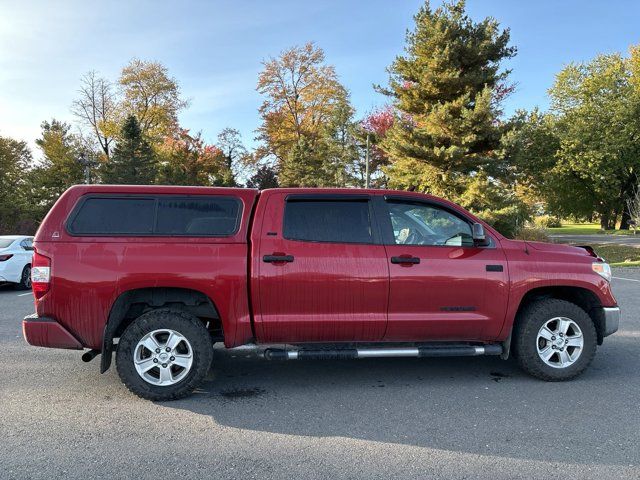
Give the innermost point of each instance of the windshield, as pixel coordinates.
(5, 242)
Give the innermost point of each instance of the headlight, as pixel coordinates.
(602, 269)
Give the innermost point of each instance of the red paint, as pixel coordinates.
(446, 277)
(48, 333)
(332, 292)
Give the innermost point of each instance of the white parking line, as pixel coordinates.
(23, 294)
(627, 279)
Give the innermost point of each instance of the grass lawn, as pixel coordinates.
(585, 229)
(619, 255)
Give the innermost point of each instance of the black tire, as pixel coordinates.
(25, 279)
(189, 327)
(529, 323)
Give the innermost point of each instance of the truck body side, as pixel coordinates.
(90, 273)
(350, 292)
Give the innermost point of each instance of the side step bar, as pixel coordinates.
(353, 353)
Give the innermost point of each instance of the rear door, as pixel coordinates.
(442, 287)
(322, 273)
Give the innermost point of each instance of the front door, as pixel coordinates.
(322, 271)
(442, 287)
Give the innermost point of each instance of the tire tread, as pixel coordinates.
(528, 324)
(155, 319)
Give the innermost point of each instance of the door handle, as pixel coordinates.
(403, 259)
(277, 258)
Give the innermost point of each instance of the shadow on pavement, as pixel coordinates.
(480, 405)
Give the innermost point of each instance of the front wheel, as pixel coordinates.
(554, 340)
(164, 354)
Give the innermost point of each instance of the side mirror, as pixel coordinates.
(479, 238)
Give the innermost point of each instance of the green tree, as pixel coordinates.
(304, 165)
(60, 167)
(265, 177)
(133, 161)
(446, 89)
(343, 152)
(584, 155)
(15, 160)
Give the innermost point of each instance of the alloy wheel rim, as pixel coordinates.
(163, 357)
(560, 342)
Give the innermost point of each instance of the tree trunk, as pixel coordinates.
(626, 217)
(626, 194)
(604, 221)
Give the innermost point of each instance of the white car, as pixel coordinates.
(15, 260)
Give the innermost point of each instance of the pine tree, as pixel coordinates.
(446, 90)
(304, 166)
(265, 177)
(133, 161)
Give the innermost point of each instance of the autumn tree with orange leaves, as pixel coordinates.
(185, 159)
(304, 105)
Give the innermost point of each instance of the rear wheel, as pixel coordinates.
(25, 279)
(164, 354)
(555, 340)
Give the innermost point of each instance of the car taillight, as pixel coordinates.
(4, 258)
(40, 274)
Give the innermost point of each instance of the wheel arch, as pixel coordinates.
(130, 304)
(580, 296)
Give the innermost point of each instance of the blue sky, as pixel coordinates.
(215, 48)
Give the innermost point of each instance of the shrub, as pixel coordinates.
(533, 234)
(547, 221)
(508, 220)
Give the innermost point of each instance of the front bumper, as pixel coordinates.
(46, 332)
(611, 320)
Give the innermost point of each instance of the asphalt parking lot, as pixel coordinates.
(377, 418)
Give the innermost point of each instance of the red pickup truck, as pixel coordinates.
(159, 274)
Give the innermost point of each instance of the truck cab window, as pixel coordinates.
(340, 221)
(423, 224)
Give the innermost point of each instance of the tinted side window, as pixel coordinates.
(422, 224)
(157, 216)
(328, 221)
(197, 216)
(124, 216)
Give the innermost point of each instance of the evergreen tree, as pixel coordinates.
(133, 161)
(15, 160)
(446, 90)
(265, 177)
(304, 166)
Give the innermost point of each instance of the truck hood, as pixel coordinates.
(560, 248)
